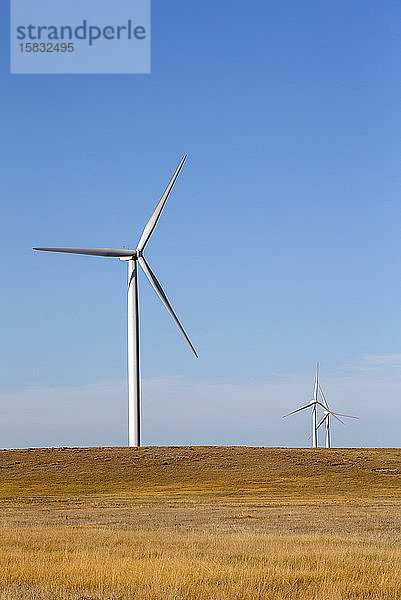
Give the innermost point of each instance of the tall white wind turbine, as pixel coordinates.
(133, 257)
(313, 404)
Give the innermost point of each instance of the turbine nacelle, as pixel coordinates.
(134, 256)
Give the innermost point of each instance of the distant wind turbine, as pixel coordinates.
(313, 404)
(132, 257)
(326, 418)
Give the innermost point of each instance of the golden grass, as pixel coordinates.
(200, 524)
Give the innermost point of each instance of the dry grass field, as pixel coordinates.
(200, 524)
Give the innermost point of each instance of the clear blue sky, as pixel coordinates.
(279, 246)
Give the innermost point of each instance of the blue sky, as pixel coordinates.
(279, 245)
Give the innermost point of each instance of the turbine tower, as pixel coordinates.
(133, 257)
(313, 404)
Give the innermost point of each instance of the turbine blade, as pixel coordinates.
(298, 409)
(335, 416)
(151, 224)
(109, 252)
(315, 388)
(159, 291)
(323, 396)
(322, 420)
(342, 415)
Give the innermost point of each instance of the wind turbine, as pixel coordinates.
(313, 404)
(133, 257)
(326, 418)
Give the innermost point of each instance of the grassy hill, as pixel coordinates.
(200, 523)
(276, 473)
